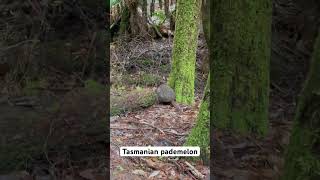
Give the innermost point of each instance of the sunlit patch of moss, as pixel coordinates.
(199, 135)
(158, 17)
(182, 75)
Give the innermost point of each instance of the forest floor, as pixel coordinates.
(137, 68)
(53, 131)
(239, 157)
(144, 66)
(236, 157)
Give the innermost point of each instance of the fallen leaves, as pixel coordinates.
(159, 125)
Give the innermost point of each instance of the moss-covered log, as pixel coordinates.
(132, 101)
(241, 38)
(199, 135)
(182, 74)
(303, 153)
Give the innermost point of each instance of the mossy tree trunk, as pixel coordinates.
(199, 135)
(241, 35)
(303, 154)
(182, 74)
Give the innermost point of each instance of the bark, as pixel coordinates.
(205, 9)
(160, 4)
(138, 24)
(182, 74)
(241, 35)
(152, 4)
(172, 20)
(166, 8)
(302, 158)
(124, 24)
(199, 135)
(145, 9)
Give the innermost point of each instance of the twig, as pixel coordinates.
(194, 171)
(278, 88)
(142, 122)
(18, 44)
(175, 133)
(129, 128)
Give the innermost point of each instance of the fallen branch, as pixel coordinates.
(145, 123)
(194, 171)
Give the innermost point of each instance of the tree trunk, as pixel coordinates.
(182, 74)
(160, 4)
(124, 23)
(302, 158)
(152, 7)
(145, 9)
(205, 15)
(199, 135)
(166, 9)
(138, 24)
(241, 38)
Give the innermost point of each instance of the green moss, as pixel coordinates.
(241, 39)
(182, 76)
(303, 156)
(94, 87)
(199, 135)
(146, 62)
(147, 100)
(158, 17)
(132, 100)
(301, 161)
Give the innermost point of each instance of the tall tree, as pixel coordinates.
(160, 4)
(199, 135)
(138, 23)
(145, 9)
(303, 153)
(182, 74)
(166, 9)
(241, 35)
(152, 6)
